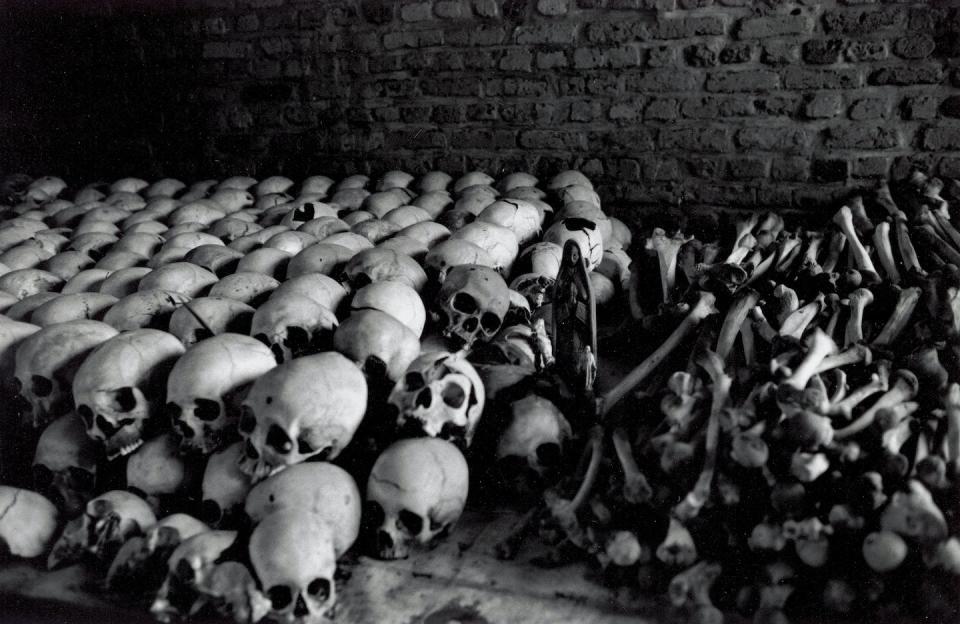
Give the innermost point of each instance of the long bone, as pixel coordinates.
(854, 354)
(879, 382)
(844, 220)
(904, 388)
(881, 242)
(909, 255)
(666, 249)
(797, 322)
(636, 488)
(907, 299)
(929, 238)
(859, 300)
(835, 246)
(746, 299)
(704, 307)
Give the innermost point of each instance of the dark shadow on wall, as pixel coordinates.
(97, 90)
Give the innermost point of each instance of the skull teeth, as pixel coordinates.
(125, 450)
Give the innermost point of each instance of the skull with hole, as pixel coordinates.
(187, 571)
(440, 395)
(285, 424)
(224, 488)
(531, 447)
(28, 523)
(141, 563)
(323, 488)
(396, 299)
(584, 232)
(119, 389)
(107, 522)
(210, 316)
(144, 309)
(302, 212)
(415, 494)
(47, 363)
(377, 265)
(379, 344)
(292, 325)
(292, 553)
(472, 303)
(65, 464)
(207, 385)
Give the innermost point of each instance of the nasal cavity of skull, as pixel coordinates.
(207, 409)
(210, 512)
(41, 386)
(548, 454)
(184, 430)
(248, 421)
(409, 522)
(278, 440)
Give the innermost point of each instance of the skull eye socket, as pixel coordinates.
(470, 325)
(319, 588)
(125, 399)
(210, 512)
(278, 440)
(86, 414)
(375, 367)
(184, 571)
(81, 479)
(414, 381)
(464, 303)
(490, 322)
(548, 454)
(454, 396)
(248, 422)
(373, 514)
(280, 597)
(173, 411)
(207, 409)
(42, 477)
(41, 386)
(410, 522)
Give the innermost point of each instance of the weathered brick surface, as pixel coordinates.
(720, 102)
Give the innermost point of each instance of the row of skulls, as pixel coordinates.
(236, 327)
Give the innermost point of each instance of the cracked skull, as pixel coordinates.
(441, 395)
(472, 303)
(119, 388)
(415, 494)
(306, 408)
(47, 361)
(207, 385)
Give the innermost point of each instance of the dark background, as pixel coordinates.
(734, 103)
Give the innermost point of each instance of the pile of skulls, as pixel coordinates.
(792, 446)
(221, 387)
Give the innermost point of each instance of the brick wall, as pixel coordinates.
(706, 102)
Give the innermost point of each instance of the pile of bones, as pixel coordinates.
(223, 387)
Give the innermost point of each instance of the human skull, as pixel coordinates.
(292, 242)
(165, 187)
(209, 316)
(283, 424)
(451, 253)
(224, 487)
(472, 303)
(316, 184)
(188, 569)
(500, 242)
(415, 494)
(520, 217)
(405, 216)
(47, 362)
(65, 464)
(23, 310)
(247, 287)
(292, 553)
(427, 232)
(218, 259)
(28, 522)
(568, 178)
(266, 260)
(144, 309)
(114, 260)
(322, 227)
(321, 258)
(377, 265)
(321, 288)
(142, 244)
(396, 299)
(207, 385)
(230, 229)
(440, 395)
(88, 280)
(66, 264)
(378, 343)
(323, 488)
(543, 259)
(179, 277)
(119, 388)
(157, 473)
(202, 211)
(584, 232)
(93, 244)
(434, 181)
(375, 230)
(302, 212)
(122, 282)
(21, 283)
(531, 447)
(292, 325)
(141, 563)
(107, 522)
(353, 242)
(73, 307)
